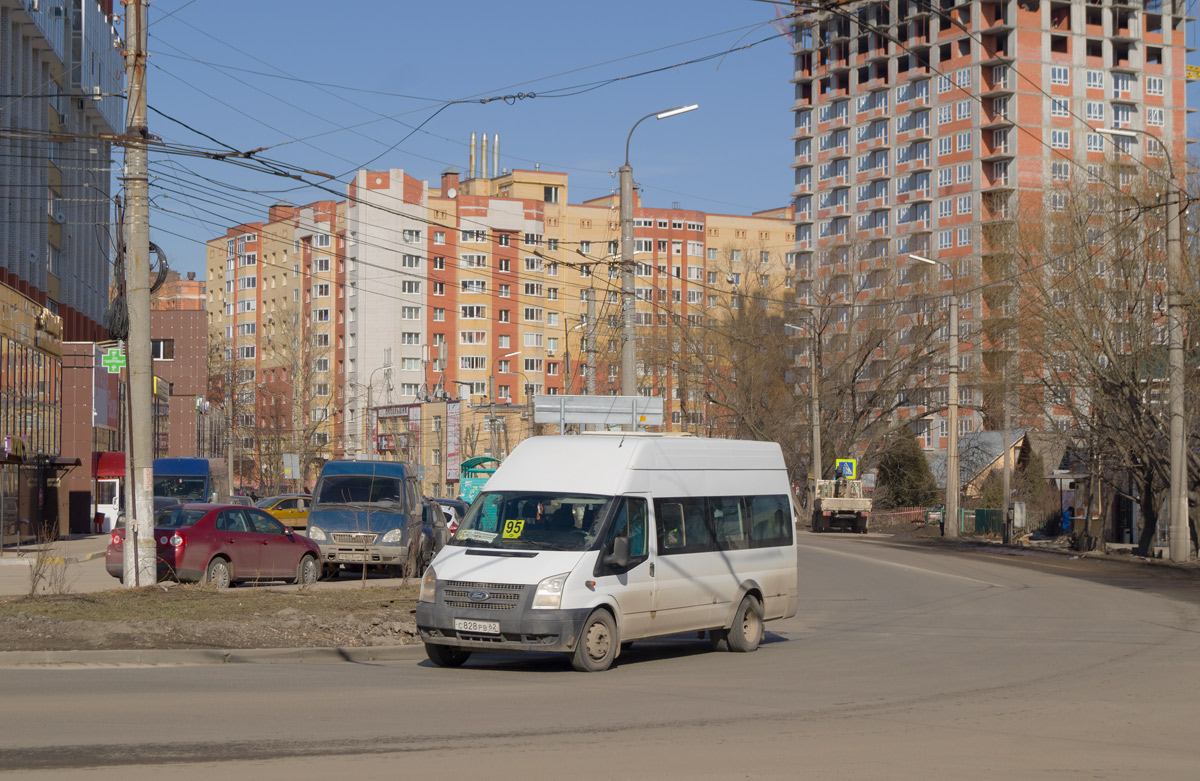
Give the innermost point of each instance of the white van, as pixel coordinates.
(582, 543)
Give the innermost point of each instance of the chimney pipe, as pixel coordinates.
(471, 163)
(495, 154)
(483, 156)
(191, 276)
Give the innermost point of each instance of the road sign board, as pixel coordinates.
(603, 410)
(847, 468)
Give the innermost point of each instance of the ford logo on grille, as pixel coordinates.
(478, 596)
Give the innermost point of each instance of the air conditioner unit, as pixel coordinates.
(549, 353)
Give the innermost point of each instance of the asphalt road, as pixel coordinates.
(903, 662)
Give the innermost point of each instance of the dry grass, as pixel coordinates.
(203, 603)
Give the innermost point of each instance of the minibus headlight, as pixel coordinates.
(393, 537)
(549, 592)
(315, 534)
(428, 591)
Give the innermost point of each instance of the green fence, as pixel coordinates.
(986, 521)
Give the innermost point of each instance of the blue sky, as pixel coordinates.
(730, 156)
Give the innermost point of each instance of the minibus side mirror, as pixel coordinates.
(620, 553)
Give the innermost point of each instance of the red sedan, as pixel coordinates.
(223, 544)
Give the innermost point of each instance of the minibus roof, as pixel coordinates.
(600, 464)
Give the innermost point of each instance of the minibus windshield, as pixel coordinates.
(526, 520)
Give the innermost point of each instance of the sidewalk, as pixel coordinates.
(68, 550)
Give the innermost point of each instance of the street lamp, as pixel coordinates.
(629, 315)
(815, 382)
(528, 394)
(374, 451)
(1180, 548)
(950, 518)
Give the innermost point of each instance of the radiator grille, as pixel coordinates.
(354, 538)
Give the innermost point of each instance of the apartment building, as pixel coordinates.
(487, 288)
(933, 128)
(61, 73)
(179, 348)
(277, 310)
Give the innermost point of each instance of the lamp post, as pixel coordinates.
(815, 383)
(374, 451)
(1180, 549)
(628, 306)
(950, 519)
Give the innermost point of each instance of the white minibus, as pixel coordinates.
(581, 543)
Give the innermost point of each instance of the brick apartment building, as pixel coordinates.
(933, 128)
(475, 289)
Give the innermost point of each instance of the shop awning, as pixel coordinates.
(107, 464)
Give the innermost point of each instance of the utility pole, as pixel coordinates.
(137, 290)
(952, 473)
(590, 352)
(1006, 481)
(628, 303)
(1181, 543)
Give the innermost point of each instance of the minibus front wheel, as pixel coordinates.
(446, 655)
(598, 643)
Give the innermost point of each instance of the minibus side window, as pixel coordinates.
(727, 522)
(668, 517)
(630, 522)
(770, 521)
(683, 525)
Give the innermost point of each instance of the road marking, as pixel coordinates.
(907, 567)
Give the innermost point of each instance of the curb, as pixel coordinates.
(53, 559)
(161, 658)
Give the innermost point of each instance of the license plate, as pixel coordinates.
(352, 557)
(483, 627)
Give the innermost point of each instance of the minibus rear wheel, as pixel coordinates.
(598, 643)
(747, 629)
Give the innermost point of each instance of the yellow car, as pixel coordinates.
(290, 509)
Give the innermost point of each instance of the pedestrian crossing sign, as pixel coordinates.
(847, 468)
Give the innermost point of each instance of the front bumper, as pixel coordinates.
(521, 629)
(347, 553)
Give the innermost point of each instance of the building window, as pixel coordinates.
(162, 349)
(1058, 107)
(1060, 74)
(1154, 85)
(1060, 139)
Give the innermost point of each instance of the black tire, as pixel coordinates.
(412, 562)
(218, 573)
(598, 643)
(330, 573)
(446, 655)
(308, 571)
(747, 630)
(719, 639)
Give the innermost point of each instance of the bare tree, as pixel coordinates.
(1095, 328)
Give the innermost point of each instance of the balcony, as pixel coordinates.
(995, 119)
(998, 151)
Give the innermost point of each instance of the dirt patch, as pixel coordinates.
(181, 617)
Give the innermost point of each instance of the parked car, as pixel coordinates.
(223, 544)
(290, 509)
(454, 510)
(240, 500)
(159, 503)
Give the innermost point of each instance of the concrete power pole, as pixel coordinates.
(137, 291)
(628, 303)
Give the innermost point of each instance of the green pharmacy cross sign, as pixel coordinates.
(114, 360)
